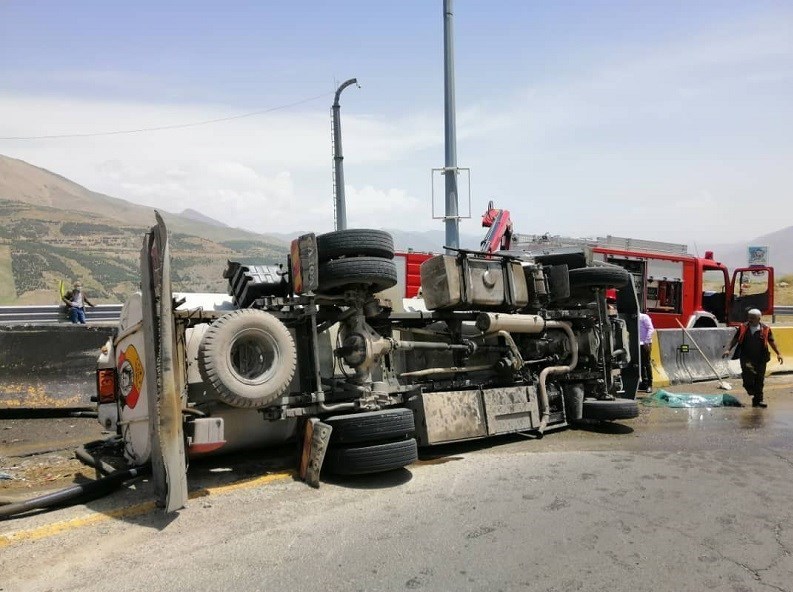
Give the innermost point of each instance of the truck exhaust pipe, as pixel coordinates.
(493, 322)
(546, 413)
(489, 323)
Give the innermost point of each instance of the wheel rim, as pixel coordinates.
(253, 356)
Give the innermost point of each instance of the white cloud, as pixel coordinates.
(269, 173)
(370, 207)
(666, 142)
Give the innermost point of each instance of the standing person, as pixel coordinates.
(76, 300)
(753, 339)
(646, 330)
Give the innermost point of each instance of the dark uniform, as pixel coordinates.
(754, 356)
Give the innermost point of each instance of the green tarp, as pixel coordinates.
(662, 398)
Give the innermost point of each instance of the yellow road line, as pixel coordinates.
(55, 528)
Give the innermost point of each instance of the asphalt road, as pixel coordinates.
(681, 500)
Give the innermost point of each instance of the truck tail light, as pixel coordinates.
(106, 385)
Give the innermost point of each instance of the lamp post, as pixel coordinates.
(338, 158)
(451, 215)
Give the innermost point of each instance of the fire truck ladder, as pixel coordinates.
(539, 242)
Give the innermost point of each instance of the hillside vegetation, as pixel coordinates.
(41, 246)
(59, 231)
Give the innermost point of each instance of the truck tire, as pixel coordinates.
(355, 242)
(249, 358)
(609, 410)
(376, 458)
(372, 426)
(375, 273)
(599, 277)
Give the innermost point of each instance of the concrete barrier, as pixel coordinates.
(676, 360)
(660, 377)
(49, 367)
(783, 336)
(681, 361)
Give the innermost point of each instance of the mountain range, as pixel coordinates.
(55, 230)
(780, 251)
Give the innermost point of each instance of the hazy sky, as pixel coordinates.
(659, 120)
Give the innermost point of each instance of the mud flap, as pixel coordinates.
(169, 468)
(315, 443)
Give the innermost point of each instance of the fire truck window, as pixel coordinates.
(752, 290)
(753, 282)
(664, 296)
(714, 293)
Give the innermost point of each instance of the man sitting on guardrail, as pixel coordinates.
(76, 300)
(752, 340)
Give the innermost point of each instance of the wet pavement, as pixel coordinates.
(678, 499)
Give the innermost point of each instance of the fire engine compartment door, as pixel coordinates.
(169, 468)
(751, 287)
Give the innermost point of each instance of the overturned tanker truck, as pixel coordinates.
(323, 351)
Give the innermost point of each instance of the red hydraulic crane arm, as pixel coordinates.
(499, 237)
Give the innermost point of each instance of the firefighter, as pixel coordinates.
(753, 339)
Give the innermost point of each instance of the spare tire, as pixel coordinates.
(355, 242)
(599, 277)
(609, 410)
(249, 358)
(375, 273)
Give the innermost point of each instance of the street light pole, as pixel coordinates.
(451, 216)
(338, 158)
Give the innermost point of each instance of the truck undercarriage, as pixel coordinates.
(498, 343)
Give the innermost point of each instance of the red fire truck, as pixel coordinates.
(673, 285)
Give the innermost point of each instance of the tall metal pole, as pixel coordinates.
(338, 158)
(450, 125)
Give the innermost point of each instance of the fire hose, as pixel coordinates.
(111, 480)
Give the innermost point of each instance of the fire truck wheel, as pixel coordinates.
(355, 242)
(249, 357)
(609, 410)
(377, 458)
(375, 273)
(372, 426)
(599, 277)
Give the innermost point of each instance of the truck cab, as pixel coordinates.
(673, 285)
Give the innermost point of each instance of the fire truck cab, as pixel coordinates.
(673, 285)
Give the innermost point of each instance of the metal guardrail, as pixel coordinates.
(53, 314)
(781, 311)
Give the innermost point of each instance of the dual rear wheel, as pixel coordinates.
(371, 442)
(356, 257)
(375, 441)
